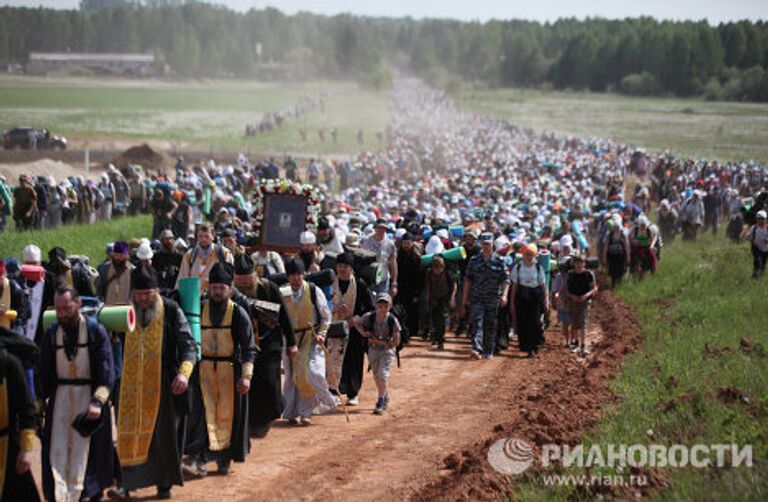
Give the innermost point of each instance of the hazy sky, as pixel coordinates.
(542, 10)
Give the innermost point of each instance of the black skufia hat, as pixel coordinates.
(221, 273)
(243, 264)
(143, 277)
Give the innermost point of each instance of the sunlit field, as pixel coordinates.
(200, 113)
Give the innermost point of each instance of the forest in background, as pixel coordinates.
(637, 56)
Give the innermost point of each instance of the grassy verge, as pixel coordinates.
(88, 240)
(701, 376)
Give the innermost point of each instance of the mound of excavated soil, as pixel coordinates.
(145, 156)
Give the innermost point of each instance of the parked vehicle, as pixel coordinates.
(21, 138)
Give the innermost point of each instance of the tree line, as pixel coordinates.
(641, 56)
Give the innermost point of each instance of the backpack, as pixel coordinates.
(539, 268)
(616, 246)
(572, 275)
(368, 325)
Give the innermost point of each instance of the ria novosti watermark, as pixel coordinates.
(514, 456)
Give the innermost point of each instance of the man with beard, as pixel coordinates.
(159, 357)
(351, 300)
(223, 377)
(305, 388)
(229, 241)
(200, 260)
(409, 268)
(113, 287)
(76, 373)
(329, 243)
(17, 419)
(308, 253)
(271, 328)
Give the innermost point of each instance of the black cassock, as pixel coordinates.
(266, 397)
(21, 415)
(352, 369)
(163, 466)
(245, 351)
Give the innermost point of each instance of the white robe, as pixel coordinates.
(69, 450)
(323, 400)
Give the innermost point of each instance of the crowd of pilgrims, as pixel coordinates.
(463, 223)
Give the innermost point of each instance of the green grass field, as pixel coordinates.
(694, 314)
(688, 127)
(88, 240)
(204, 114)
(214, 113)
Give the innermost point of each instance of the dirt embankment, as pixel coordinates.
(563, 396)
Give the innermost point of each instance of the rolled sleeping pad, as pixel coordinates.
(118, 318)
(426, 234)
(455, 254)
(34, 273)
(457, 231)
(207, 196)
(189, 301)
(11, 315)
(321, 279)
(544, 260)
(592, 263)
(583, 244)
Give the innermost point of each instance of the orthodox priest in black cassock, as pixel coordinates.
(158, 357)
(270, 326)
(351, 299)
(223, 376)
(17, 429)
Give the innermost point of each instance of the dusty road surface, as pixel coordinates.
(445, 410)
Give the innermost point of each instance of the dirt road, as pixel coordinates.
(445, 411)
